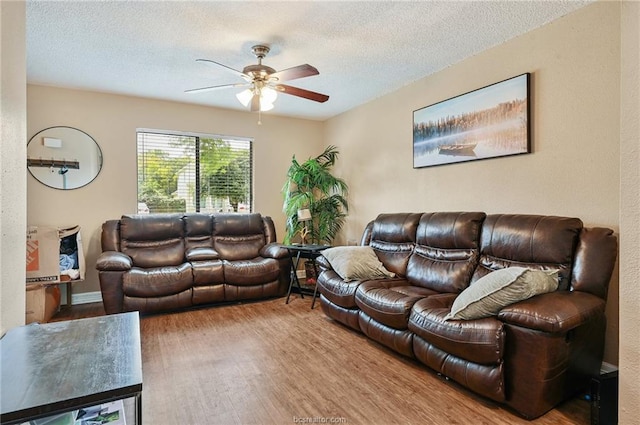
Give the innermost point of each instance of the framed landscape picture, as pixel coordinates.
(486, 123)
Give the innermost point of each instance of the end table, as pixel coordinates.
(310, 252)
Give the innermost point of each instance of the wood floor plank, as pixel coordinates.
(271, 363)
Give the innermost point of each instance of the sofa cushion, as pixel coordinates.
(238, 247)
(356, 263)
(393, 237)
(201, 254)
(389, 301)
(336, 290)
(151, 227)
(153, 240)
(158, 281)
(198, 228)
(238, 236)
(491, 293)
(479, 341)
(531, 241)
(238, 224)
(446, 251)
(251, 272)
(149, 254)
(207, 272)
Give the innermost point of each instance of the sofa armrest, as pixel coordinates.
(113, 261)
(274, 250)
(202, 254)
(323, 263)
(555, 312)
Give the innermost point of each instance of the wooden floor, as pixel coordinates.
(271, 363)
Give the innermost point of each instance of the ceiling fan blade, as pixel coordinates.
(235, 71)
(299, 71)
(224, 86)
(307, 94)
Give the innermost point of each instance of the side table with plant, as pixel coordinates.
(311, 186)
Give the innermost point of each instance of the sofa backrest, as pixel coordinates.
(532, 241)
(238, 236)
(157, 240)
(446, 250)
(584, 257)
(269, 230)
(153, 240)
(393, 237)
(198, 230)
(110, 236)
(594, 261)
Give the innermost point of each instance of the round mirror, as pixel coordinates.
(63, 157)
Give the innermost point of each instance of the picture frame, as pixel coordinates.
(493, 121)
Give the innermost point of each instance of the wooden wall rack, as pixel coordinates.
(55, 163)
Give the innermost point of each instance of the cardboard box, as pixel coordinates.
(42, 302)
(45, 245)
(43, 254)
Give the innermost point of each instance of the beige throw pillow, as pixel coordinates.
(491, 293)
(356, 263)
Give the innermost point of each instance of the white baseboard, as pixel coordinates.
(86, 298)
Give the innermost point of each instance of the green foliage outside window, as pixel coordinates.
(167, 173)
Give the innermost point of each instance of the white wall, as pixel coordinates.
(574, 167)
(629, 410)
(112, 121)
(13, 167)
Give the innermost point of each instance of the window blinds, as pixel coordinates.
(193, 173)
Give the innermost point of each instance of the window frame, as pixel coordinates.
(197, 137)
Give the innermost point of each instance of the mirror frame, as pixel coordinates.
(63, 162)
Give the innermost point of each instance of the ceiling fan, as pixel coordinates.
(264, 82)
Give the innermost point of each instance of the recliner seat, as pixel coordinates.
(432, 253)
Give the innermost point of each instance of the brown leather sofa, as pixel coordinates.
(533, 354)
(162, 262)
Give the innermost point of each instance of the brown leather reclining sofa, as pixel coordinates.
(162, 262)
(533, 354)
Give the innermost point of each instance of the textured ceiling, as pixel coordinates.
(363, 50)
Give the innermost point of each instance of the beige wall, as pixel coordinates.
(629, 411)
(574, 167)
(112, 121)
(13, 168)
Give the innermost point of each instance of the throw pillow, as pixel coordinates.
(491, 293)
(356, 263)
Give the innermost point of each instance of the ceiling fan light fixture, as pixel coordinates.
(267, 97)
(245, 97)
(268, 94)
(264, 106)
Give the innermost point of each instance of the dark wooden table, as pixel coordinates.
(310, 252)
(64, 366)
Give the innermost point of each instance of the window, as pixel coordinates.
(193, 173)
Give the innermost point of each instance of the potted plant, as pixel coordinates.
(311, 186)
